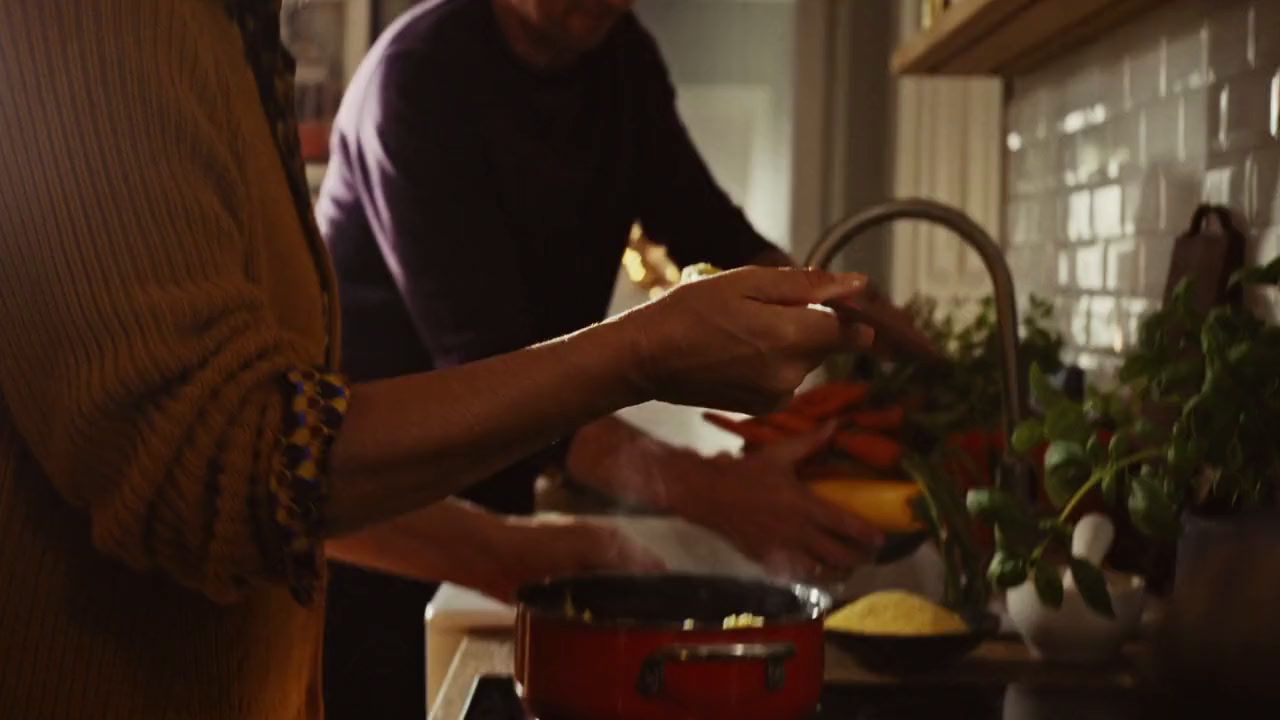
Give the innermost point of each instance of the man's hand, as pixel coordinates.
(758, 504)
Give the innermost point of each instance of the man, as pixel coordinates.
(487, 165)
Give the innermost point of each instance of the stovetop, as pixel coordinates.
(494, 698)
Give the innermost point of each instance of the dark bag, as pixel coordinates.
(1210, 253)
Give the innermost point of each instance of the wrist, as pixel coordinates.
(618, 356)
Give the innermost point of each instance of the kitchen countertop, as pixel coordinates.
(999, 679)
(455, 611)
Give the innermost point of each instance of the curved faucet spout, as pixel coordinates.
(845, 232)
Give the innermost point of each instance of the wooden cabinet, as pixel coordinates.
(1007, 37)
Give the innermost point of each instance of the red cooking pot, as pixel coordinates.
(641, 648)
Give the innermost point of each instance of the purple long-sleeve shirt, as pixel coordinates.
(474, 206)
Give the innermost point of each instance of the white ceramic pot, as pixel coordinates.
(1074, 633)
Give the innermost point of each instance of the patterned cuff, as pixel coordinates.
(299, 481)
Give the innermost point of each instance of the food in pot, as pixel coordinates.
(895, 612)
(731, 622)
(743, 620)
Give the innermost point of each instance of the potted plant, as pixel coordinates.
(1186, 441)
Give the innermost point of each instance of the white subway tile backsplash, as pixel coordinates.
(1091, 267)
(1050, 225)
(1078, 319)
(1085, 156)
(1142, 201)
(1143, 74)
(1095, 363)
(1224, 185)
(1182, 193)
(1184, 60)
(1162, 128)
(1132, 312)
(1080, 216)
(1269, 246)
(1195, 121)
(1124, 152)
(1127, 137)
(1066, 269)
(1122, 267)
(1275, 105)
(1266, 33)
(1230, 40)
(1243, 111)
(1105, 332)
(1108, 211)
(1262, 171)
(1034, 268)
(1154, 254)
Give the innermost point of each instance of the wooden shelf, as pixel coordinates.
(1008, 37)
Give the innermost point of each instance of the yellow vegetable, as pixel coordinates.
(894, 612)
(698, 271)
(883, 503)
(743, 620)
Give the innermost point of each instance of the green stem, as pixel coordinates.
(1099, 475)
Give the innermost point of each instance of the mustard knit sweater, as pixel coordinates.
(155, 284)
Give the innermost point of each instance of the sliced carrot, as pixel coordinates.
(827, 400)
(751, 431)
(884, 419)
(789, 421)
(874, 449)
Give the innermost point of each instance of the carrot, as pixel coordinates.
(790, 421)
(751, 431)
(873, 449)
(827, 400)
(884, 419)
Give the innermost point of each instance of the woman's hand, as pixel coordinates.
(742, 340)
(528, 550)
(455, 541)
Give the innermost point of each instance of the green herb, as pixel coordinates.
(1048, 584)
(943, 511)
(1092, 585)
(1194, 420)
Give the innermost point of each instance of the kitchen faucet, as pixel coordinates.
(1014, 475)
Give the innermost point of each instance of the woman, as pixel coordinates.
(171, 461)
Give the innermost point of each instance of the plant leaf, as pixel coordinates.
(1044, 392)
(1066, 421)
(1028, 435)
(1094, 450)
(1007, 569)
(1066, 468)
(1150, 509)
(1120, 446)
(1093, 586)
(1048, 584)
(1110, 488)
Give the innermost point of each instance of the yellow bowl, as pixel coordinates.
(886, 504)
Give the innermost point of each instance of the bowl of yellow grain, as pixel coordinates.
(897, 632)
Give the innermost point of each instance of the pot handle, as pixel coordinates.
(773, 655)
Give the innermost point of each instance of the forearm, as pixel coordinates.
(407, 442)
(624, 462)
(450, 541)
